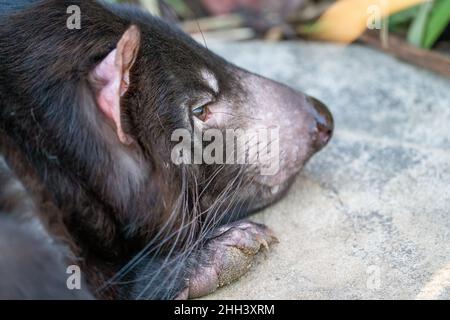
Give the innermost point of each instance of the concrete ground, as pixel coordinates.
(369, 217)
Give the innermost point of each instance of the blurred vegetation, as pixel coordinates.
(425, 26)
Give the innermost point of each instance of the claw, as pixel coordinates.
(262, 242)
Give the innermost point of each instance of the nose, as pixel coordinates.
(324, 123)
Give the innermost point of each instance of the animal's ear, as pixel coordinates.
(111, 78)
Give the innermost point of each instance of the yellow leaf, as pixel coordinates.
(346, 20)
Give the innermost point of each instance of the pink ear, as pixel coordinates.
(111, 77)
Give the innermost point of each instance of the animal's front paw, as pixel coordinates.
(227, 256)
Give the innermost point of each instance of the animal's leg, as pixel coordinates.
(227, 255)
(32, 265)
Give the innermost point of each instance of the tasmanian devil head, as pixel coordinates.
(159, 86)
(142, 135)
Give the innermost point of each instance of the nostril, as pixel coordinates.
(324, 134)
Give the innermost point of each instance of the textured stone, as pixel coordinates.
(369, 217)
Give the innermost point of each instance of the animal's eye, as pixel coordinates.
(201, 112)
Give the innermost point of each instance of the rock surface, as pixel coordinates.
(369, 217)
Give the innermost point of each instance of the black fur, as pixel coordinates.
(44, 97)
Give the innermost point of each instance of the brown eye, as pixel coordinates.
(201, 113)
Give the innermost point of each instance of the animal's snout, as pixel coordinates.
(324, 124)
(304, 124)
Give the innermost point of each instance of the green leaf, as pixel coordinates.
(400, 21)
(417, 29)
(404, 16)
(438, 20)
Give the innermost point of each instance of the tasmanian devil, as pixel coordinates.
(90, 181)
